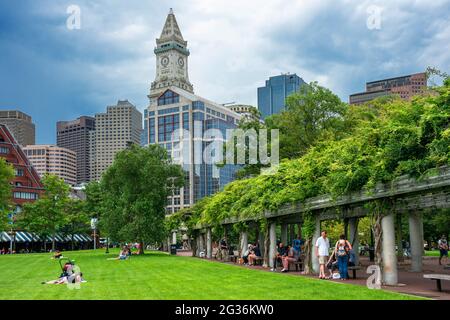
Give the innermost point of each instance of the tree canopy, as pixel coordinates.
(135, 190)
(376, 142)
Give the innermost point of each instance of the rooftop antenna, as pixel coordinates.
(171, 11)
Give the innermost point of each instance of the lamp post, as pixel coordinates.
(12, 235)
(94, 222)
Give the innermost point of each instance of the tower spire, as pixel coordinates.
(171, 31)
(171, 59)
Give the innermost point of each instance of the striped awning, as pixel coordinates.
(23, 236)
(4, 237)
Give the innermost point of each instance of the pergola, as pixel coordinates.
(405, 195)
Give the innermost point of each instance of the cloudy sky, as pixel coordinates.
(54, 73)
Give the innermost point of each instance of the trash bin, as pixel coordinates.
(371, 254)
(173, 249)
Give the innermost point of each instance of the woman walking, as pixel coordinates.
(342, 250)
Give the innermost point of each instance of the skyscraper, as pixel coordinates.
(20, 125)
(173, 106)
(52, 159)
(74, 135)
(405, 86)
(114, 131)
(272, 97)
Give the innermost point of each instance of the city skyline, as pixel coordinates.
(66, 76)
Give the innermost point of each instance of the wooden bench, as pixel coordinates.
(234, 257)
(258, 261)
(298, 265)
(438, 278)
(354, 269)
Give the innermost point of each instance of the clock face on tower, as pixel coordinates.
(165, 61)
(181, 61)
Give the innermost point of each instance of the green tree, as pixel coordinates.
(76, 219)
(6, 175)
(247, 124)
(136, 187)
(312, 114)
(46, 215)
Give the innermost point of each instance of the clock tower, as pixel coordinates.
(171, 59)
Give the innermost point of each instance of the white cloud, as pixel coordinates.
(236, 45)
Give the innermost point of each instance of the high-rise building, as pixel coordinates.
(26, 184)
(272, 97)
(52, 159)
(74, 135)
(20, 125)
(114, 131)
(173, 106)
(406, 87)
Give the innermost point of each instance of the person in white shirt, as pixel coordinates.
(322, 252)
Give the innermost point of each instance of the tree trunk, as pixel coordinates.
(378, 234)
(194, 246)
(266, 247)
(53, 243)
(45, 244)
(308, 262)
(141, 248)
(299, 230)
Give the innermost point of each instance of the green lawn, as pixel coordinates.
(160, 276)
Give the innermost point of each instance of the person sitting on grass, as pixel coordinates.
(57, 255)
(123, 255)
(293, 255)
(255, 253)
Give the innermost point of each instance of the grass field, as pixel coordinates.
(160, 276)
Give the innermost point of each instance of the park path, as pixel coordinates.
(409, 282)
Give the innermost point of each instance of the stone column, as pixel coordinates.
(201, 243)
(244, 242)
(273, 242)
(398, 222)
(174, 237)
(208, 244)
(416, 241)
(354, 238)
(284, 234)
(314, 258)
(390, 271)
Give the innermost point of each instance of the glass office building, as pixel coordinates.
(272, 97)
(187, 126)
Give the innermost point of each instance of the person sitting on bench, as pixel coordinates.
(247, 253)
(292, 256)
(224, 248)
(254, 254)
(281, 252)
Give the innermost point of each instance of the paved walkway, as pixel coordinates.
(409, 282)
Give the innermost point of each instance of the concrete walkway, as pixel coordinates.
(409, 282)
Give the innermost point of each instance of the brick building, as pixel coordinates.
(27, 184)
